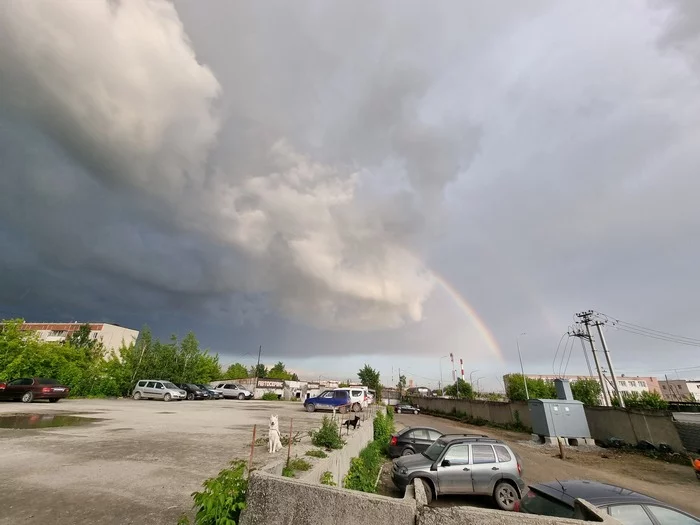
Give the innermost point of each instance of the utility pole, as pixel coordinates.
(257, 366)
(586, 320)
(522, 369)
(610, 366)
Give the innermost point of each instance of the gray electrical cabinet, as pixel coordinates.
(559, 417)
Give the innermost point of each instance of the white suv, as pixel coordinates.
(358, 397)
(233, 391)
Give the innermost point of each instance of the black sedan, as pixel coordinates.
(406, 408)
(556, 498)
(412, 440)
(213, 394)
(193, 391)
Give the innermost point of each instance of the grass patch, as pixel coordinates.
(316, 453)
(294, 465)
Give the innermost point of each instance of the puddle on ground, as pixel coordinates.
(28, 421)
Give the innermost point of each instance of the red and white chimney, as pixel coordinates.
(461, 365)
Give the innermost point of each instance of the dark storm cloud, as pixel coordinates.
(248, 162)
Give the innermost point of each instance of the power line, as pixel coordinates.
(557, 353)
(647, 332)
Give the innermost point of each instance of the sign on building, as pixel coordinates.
(270, 383)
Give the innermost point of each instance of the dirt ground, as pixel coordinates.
(138, 464)
(674, 484)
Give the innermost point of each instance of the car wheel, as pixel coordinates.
(415, 412)
(137, 396)
(505, 495)
(55, 400)
(28, 397)
(356, 407)
(310, 407)
(407, 452)
(190, 396)
(398, 410)
(167, 397)
(428, 490)
(241, 397)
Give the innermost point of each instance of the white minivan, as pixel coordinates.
(358, 397)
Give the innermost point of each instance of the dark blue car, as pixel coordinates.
(329, 400)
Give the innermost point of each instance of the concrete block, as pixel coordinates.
(419, 494)
(274, 500)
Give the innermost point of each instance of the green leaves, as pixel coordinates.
(223, 497)
(328, 435)
(236, 371)
(587, 391)
(364, 469)
(462, 389)
(370, 378)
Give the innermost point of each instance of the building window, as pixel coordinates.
(643, 384)
(623, 383)
(633, 383)
(57, 333)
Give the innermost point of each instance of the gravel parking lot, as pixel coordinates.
(138, 464)
(674, 484)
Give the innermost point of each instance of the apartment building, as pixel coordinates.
(111, 335)
(627, 384)
(680, 390)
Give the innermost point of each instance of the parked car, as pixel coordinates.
(193, 391)
(404, 407)
(358, 397)
(233, 391)
(157, 389)
(556, 498)
(27, 389)
(412, 440)
(459, 464)
(213, 394)
(329, 400)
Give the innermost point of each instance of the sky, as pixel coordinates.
(357, 182)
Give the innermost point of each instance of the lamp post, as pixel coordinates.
(478, 388)
(522, 370)
(471, 383)
(443, 357)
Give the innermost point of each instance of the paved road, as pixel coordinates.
(675, 484)
(139, 464)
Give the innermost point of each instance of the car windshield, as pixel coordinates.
(537, 503)
(193, 387)
(433, 452)
(168, 384)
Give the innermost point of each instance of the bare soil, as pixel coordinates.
(672, 483)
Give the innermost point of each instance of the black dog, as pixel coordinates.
(352, 422)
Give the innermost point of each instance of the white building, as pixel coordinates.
(112, 336)
(680, 389)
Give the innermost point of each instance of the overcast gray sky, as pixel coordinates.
(348, 182)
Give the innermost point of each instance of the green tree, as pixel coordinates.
(236, 371)
(279, 371)
(370, 378)
(644, 401)
(401, 385)
(295, 377)
(461, 389)
(587, 391)
(258, 371)
(537, 388)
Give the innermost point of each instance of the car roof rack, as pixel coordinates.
(467, 434)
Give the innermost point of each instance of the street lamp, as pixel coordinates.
(522, 370)
(443, 357)
(478, 388)
(471, 383)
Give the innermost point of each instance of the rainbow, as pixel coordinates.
(478, 323)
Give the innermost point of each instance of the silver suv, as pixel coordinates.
(233, 391)
(157, 389)
(461, 464)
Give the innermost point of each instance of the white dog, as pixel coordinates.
(274, 441)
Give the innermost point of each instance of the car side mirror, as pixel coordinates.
(445, 463)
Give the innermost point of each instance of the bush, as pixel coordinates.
(223, 497)
(293, 465)
(364, 469)
(270, 396)
(328, 435)
(327, 479)
(645, 400)
(316, 453)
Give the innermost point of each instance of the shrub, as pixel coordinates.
(270, 396)
(316, 453)
(293, 465)
(645, 400)
(328, 435)
(364, 469)
(327, 479)
(223, 497)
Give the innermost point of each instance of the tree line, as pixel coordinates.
(82, 362)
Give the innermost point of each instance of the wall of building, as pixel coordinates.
(112, 336)
(680, 390)
(633, 426)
